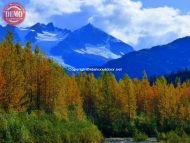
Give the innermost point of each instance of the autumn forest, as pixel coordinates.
(40, 102)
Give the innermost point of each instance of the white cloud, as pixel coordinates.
(56, 7)
(42, 10)
(143, 27)
(90, 19)
(33, 17)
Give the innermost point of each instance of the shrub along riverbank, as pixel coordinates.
(39, 127)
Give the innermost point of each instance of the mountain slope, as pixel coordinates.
(45, 36)
(89, 46)
(155, 61)
(85, 47)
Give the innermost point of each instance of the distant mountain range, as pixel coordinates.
(82, 48)
(89, 46)
(156, 61)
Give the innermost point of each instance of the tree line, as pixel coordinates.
(128, 106)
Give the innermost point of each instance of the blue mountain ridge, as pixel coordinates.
(82, 48)
(156, 61)
(92, 47)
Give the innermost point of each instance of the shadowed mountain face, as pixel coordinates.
(155, 61)
(85, 47)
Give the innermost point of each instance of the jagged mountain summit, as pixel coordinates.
(90, 46)
(85, 47)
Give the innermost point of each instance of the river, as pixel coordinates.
(128, 140)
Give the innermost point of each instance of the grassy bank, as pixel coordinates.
(173, 137)
(39, 127)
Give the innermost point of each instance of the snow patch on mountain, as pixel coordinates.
(23, 29)
(122, 53)
(98, 51)
(47, 36)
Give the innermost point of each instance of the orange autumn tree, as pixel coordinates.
(73, 99)
(128, 97)
(2, 86)
(184, 99)
(11, 70)
(144, 95)
(88, 86)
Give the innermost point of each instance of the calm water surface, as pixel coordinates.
(128, 140)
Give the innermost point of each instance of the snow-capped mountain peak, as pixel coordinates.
(91, 45)
(85, 47)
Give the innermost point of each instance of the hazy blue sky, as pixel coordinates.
(183, 5)
(141, 23)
